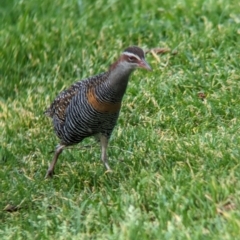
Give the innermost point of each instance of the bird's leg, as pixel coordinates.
(58, 151)
(104, 145)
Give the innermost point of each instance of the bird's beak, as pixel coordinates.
(144, 64)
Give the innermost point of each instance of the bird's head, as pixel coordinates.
(134, 57)
(131, 58)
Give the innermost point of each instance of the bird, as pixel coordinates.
(90, 107)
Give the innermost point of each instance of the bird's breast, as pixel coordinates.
(102, 106)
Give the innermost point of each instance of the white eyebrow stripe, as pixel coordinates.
(131, 55)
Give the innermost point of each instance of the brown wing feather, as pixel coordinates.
(60, 104)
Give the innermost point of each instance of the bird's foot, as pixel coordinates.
(109, 171)
(49, 173)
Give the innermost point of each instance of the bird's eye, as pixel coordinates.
(131, 59)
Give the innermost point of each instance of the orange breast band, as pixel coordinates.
(103, 107)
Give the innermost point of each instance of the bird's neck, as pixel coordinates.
(118, 79)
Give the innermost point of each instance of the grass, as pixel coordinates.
(175, 157)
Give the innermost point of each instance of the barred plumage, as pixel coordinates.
(91, 107)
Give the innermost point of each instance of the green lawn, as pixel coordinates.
(175, 157)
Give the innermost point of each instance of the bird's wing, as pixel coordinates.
(62, 101)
